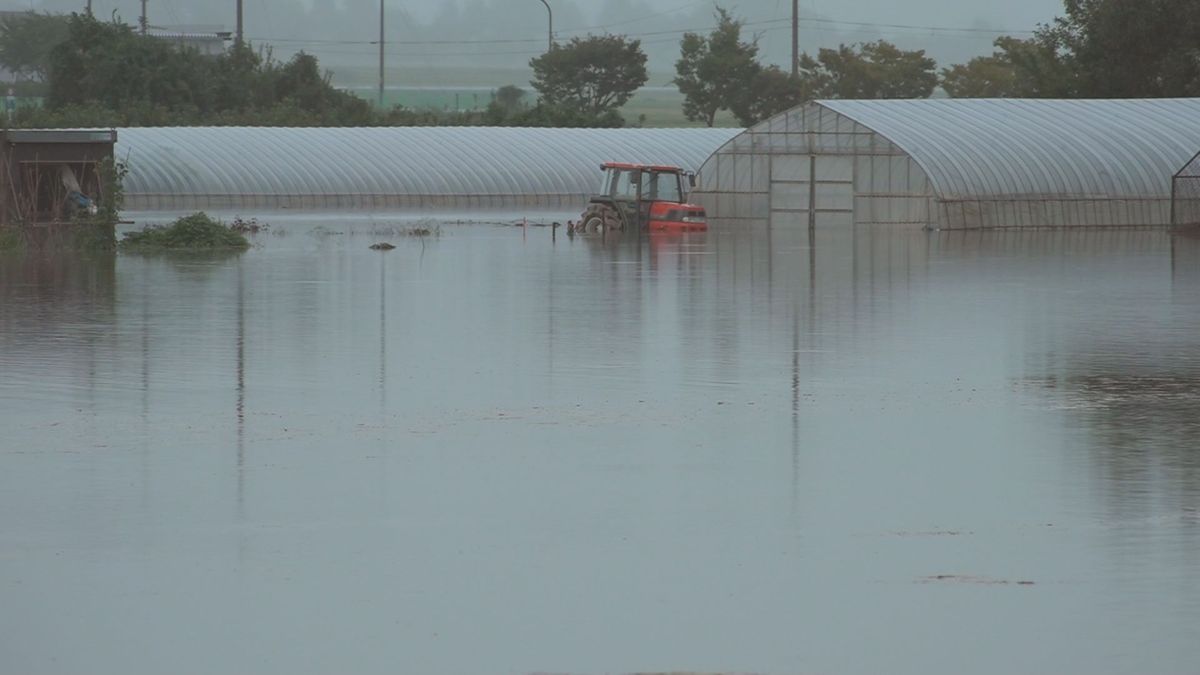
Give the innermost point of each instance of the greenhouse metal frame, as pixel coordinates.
(956, 163)
(1185, 193)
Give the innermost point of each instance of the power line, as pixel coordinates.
(662, 39)
(314, 41)
(674, 31)
(640, 18)
(531, 52)
(997, 31)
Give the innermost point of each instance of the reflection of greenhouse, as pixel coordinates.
(957, 163)
(464, 168)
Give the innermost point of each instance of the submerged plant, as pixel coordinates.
(195, 232)
(248, 226)
(425, 228)
(422, 232)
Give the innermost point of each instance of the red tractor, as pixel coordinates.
(637, 197)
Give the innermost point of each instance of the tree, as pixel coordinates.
(544, 115)
(239, 79)
(26, 40)
(509, 97)
(301, 80)
(507, 101)
(110, 66)
(1030, 68)
(981, 77)
(1129, 48)
(873, 70)
(772, 91)
(717, 72)
(594, 75)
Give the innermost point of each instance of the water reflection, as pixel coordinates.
(1185, 254)
(730, 449)
(240, 405)
(57, 315)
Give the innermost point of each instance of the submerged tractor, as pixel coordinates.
(642, 197)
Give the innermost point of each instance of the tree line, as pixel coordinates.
(104, 73)
(1096, 49)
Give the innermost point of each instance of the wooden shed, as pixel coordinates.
(47, 175)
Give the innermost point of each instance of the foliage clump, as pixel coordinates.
(716, 72)
(26, 40)
(1098, 49)
(721, 71)
(420, 231)
(107, 72)
(248, 225)
(99, 73)
(587, 79)
(195, 232)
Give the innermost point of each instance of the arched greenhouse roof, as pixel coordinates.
(388, 167)
(1021, 148)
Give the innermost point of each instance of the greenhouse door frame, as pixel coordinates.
(815, 185)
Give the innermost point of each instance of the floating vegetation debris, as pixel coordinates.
(424, 229)
(419, 231)
(250, 226)
(190, 233)
(422, 232)
(971, 579)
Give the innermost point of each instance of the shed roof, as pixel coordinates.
(470, 161)
(60, 135)
(1013, 148)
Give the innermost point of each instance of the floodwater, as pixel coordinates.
(490, 451)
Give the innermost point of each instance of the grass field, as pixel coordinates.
(661, 107)
(471, 89)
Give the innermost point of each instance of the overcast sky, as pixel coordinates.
(338, 30)
(955, 12)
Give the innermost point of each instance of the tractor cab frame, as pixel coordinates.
(643, 197)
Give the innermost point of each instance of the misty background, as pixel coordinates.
(499, 37)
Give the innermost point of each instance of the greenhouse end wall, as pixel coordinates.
(814, 156)
(1185, 194)
(956, 163)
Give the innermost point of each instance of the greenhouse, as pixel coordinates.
(1185, 194)
(399, 168)
(957, 163)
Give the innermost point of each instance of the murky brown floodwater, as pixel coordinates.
(900, 452)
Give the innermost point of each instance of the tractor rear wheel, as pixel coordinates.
(599, 217)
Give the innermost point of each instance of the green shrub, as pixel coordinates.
(194, 232)
(92, 236)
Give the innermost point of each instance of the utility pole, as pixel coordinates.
(142, 20)
(381, 54)
(89, 7)
(795, 38)
(238, 40)
(550, 28)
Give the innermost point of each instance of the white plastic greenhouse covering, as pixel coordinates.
(957, 163)
(463, 168)
(1185, 194)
